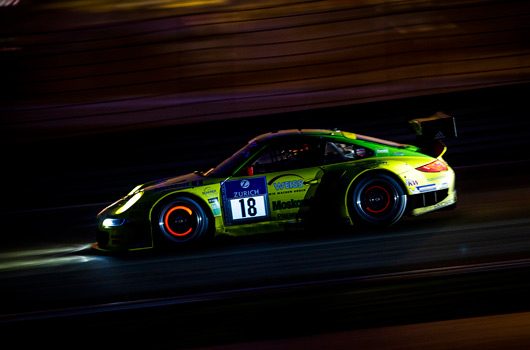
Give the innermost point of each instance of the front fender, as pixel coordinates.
(207, 196)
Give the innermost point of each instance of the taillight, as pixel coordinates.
(433, 167)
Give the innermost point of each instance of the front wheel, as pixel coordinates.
(182, 220)
(377, 199)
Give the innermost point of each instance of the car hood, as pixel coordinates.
(179, 182)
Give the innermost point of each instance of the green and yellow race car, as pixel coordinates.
(306, 178)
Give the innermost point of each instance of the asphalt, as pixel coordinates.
(471, 262)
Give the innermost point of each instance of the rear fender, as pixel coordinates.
(390, 167)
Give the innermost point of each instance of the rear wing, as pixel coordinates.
(432, 130)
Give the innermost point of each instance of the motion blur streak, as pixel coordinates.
(140, 5)
(46, 257)
(175, 4)
(263, 290)
(146, 67)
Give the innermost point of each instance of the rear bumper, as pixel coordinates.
(431, 201)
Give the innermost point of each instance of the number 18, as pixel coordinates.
(249, 208)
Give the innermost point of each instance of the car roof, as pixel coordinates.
(297, 132)
(324, 132)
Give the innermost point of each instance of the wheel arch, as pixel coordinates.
(162, 201)
(369, 172)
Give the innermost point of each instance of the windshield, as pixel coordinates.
(230, 165)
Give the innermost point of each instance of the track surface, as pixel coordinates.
(482, 247)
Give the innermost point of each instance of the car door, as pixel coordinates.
(342, 162)
(278, 185)
(292, 174)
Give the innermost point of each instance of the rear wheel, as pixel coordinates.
(377, 199)
(182, 220)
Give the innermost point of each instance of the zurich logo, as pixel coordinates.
(244, 183)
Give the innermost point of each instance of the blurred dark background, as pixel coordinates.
(99, 96)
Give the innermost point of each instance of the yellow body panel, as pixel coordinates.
(274, 200)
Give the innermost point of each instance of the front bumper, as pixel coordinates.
(124, 232)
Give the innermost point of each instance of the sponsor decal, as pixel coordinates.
(286, 216)
(243, 194)
(439, 135)
(282, 205)
(209, 192)
(441, 177)
(411, 182)
(426, 188)
(384, 150)
(244, 183)
(214, 204)
(361, 152)
(443, 186)
(287, 185)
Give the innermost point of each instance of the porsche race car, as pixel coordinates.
(291, 177)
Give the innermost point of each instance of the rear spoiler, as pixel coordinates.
(432, 130)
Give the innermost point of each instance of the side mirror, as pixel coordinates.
(245, 172)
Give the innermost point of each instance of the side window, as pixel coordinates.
(337, 152)
(287, 157)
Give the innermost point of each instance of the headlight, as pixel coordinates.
(113, 222)
(130, 202)
(134, 190)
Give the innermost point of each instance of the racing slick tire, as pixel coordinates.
(377, 200)
(181, 221)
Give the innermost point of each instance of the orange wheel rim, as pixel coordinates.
(166, 220)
